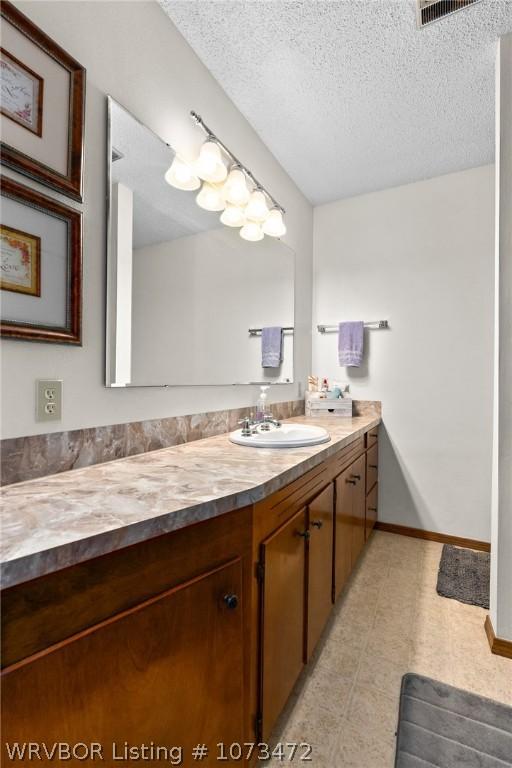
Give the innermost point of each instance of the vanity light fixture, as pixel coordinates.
(209, 165)
(274, 225)
(252, 231)
(235, 188)
(210, 197)
(255, 219)
(233, 216)
(181, 176)
(257, 208)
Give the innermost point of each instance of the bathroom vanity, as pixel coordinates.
(175, 597)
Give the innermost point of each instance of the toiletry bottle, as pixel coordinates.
(262, 403)
(336, 390)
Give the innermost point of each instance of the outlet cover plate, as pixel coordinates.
(49, 399)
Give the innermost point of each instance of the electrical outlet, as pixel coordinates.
(49, 399)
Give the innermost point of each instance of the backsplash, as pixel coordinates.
(366, 408)
(25, 458)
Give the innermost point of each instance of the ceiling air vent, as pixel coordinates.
(433, 10)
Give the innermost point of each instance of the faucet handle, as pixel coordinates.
(246, 425)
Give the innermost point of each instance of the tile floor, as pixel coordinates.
(389, 621)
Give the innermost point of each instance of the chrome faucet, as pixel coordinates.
(267, 422)
(250, 425)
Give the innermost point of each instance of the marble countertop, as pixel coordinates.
(61, 520)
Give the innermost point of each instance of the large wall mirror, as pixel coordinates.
(184, 291)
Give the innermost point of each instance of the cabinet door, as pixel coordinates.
(320, 565)
(371, 437)
(357, 472)
(282, 645)
(343, 530)
(372, 466)
(371, 510)
(169, 671)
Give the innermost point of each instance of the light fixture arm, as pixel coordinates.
(212, 136)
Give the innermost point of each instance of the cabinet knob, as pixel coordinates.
(372, 509)
(352, 482)
(303, 534)
(317, 523)
(231, 601)
(372, 466)
(374, 434)
(356, 477)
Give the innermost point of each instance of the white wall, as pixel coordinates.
(420, 256)
(133, 52)
(501, 553)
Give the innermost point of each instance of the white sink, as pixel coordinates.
(285, 436)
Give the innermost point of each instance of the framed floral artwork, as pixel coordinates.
(43, 104)
(40, 266)
(20, 261)
(21, 93)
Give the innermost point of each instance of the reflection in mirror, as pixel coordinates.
(182, 289)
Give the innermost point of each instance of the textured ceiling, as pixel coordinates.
(348, 94)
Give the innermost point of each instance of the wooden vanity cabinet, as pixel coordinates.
(372, 476)
(371, 511)
(296, 563)
(371, 437)
(357, 475)
(193, 636)
(148, 644)
(343, 530)
(134, 676)
(319, 565)
(372, 466)
(283, 615)
(350, 516)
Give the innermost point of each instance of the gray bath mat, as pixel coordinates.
(464, 575)
(444, 727)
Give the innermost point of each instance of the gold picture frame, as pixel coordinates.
(20, 261)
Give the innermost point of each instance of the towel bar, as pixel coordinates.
(372, 324)
(256, 331)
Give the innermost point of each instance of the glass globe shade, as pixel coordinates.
(209, 165)
(181, 176)
(252, 231)
(235, 188)
(209, 197)
(257, 208)
(232, 216)
(274, 224)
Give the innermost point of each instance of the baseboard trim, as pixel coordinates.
(498, 646)
(443, 538)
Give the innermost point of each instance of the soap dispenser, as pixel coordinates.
(262, 403)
